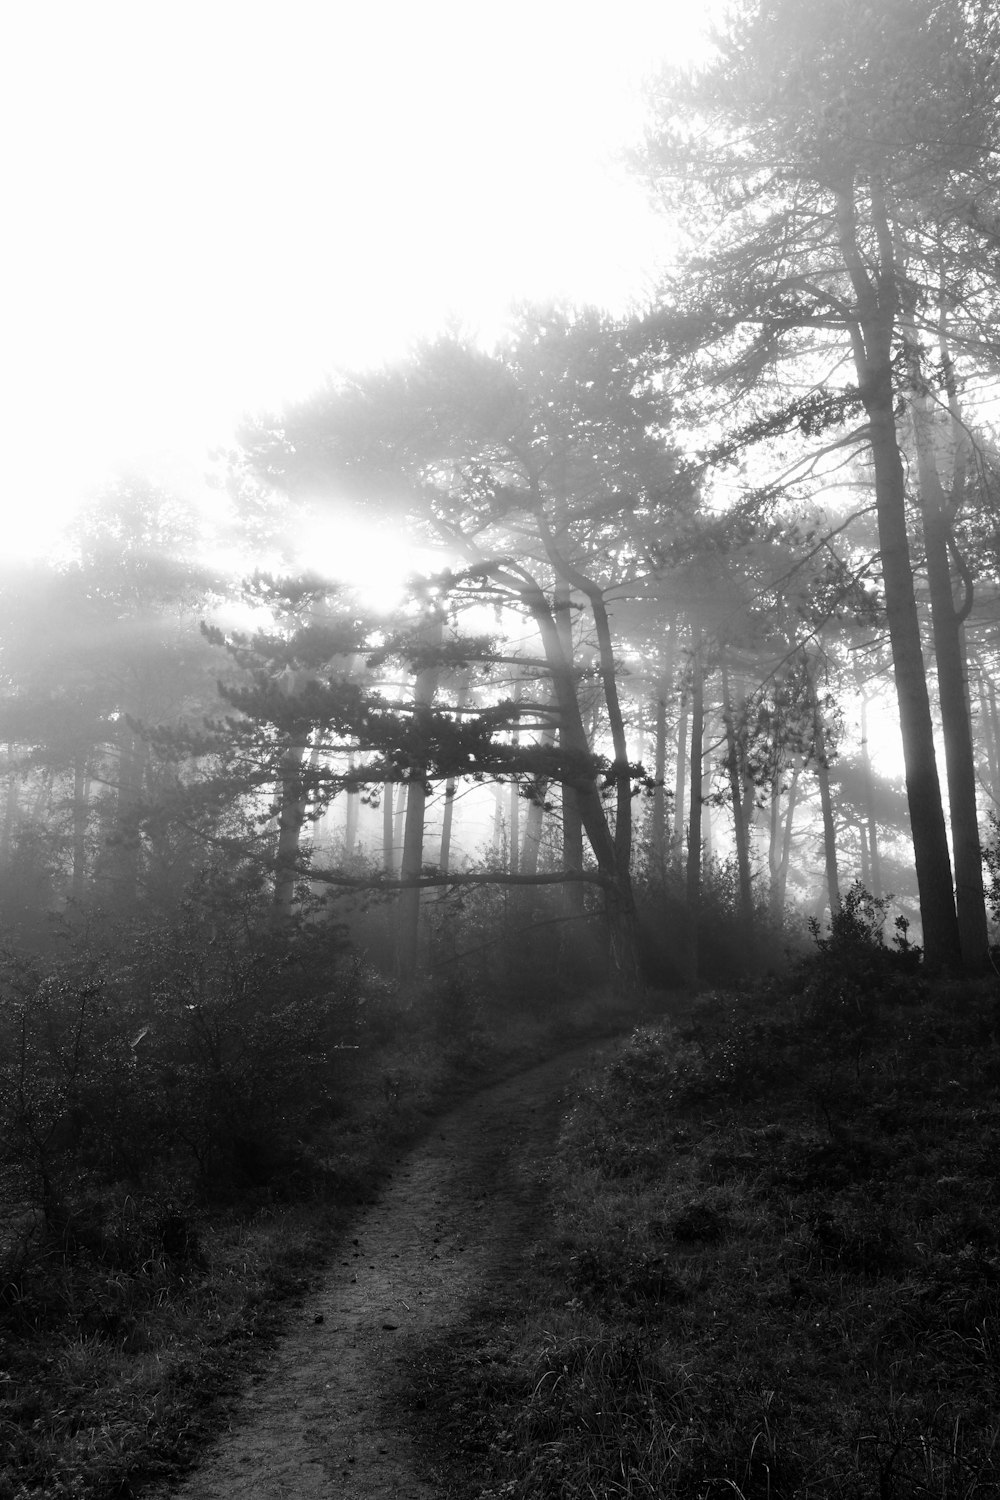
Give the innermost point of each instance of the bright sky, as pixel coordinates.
(208, 206)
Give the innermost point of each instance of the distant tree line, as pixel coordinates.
(681, 554)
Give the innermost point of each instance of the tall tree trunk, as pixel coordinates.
(989, 732)
(411, 866)
(498, 823)
(399, 825)
(351, 816)
(388, 862)
(741, 818)
(532, 842)
(821, 751)
(572, 847)
(774, 830)
(514, 814)
(680, 778)
(620, 910)
(611, 849)
(692, 957)
(659, 831)
(871, 817)
(707, 825)
(786, 842)
(829, 829)
(995, 735)
(658, 825)
(424, 689)
(620, 766)
(949, 651)
(865, 854)
(451, 788)
(447, 819)
(572, 820)
(877, 302)
(535, 817)
(291, 812)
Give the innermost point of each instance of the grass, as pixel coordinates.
(114, 1377)
(130, 1328)
(770, 1267)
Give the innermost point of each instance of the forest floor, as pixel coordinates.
(334, 1413)
(767, 1265)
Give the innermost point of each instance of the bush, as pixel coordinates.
(196, 1060)
(514, 946)
(727, 954)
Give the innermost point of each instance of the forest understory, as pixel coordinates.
(762, 1256)
(165, 1212)
(769, 1267)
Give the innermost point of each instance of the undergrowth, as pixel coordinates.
(188, 1120)
(771, 1266)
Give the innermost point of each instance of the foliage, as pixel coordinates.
(517, 946)
(200, 1052)
(728, 955)
(187, 1111)
(782, 1282)
(852, 976)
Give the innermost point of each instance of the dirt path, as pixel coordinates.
(452, 1220)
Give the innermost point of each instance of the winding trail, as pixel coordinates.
(452, 1221)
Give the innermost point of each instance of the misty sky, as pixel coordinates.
(209, 206)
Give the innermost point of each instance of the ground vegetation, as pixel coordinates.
(767, 1260)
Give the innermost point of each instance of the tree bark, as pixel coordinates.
(872, 339)
(572, 821)
(399, 825)
(826, 806)
(388, 863)
(451, 787)
(497, 840)
(514, 813)
(350, 817)
(786, 842)
(447, 819)
(292, 803)
(871, 819)
(774, 830)
(611, 850)
(408, 935)
(820, 749)
(692, 956)
(741, 818)
(952, 678)
(989, 731)
(535, 818)
(680, 778)
(707, 822)
(659, 831)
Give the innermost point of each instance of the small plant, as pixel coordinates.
(857, 934)
(856, 926)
